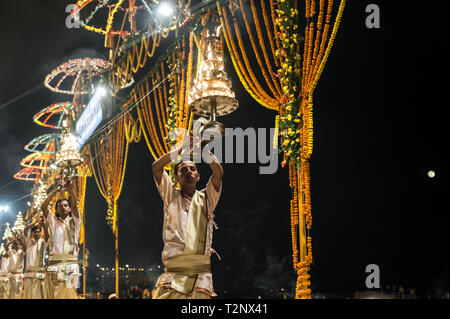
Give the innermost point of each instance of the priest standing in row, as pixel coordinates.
(188, 226)
(62, 275)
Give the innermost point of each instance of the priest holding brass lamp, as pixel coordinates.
(189, 213)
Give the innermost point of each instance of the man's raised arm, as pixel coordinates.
(72, 199)
(45, 228)
(217, 170)
(49, 198)
(158, 165)
(27, 229)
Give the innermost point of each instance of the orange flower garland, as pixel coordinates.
(158, 107)
(294, 212)
(109, 167)
(246, 75)
(269, 81)
(135, 58)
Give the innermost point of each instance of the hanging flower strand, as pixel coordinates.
(290, 78)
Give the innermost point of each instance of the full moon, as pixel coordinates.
(431, 174)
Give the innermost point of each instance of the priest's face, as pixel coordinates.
(37, 233)
(187, 174)
(63, 208)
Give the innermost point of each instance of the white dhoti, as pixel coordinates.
(54, 288)
(15, 286)
(33, 283)
(63, 283)
(170, 293)
(4, 286)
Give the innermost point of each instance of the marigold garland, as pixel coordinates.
(182, 87)
(158, 106)
(246, 75)
(290, 77)
(135, 58)
(189, 78)
(133, 130)
(296, 117)
(171, 124)
(109, 167)
(270, 36)
(179, 86)
(146, 112)
(80, 190)
(269, 81)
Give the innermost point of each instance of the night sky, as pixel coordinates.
(380, 124)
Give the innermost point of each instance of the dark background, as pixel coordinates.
(380, 123)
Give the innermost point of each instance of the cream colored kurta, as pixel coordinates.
(35, 270)
(4, 266)
(15, 265)
(176, 207)
(58, 244)
(4, 280)
(35, 255)
(61, 245)
(15, 273)
(15, 261)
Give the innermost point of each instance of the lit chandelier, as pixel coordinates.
(211, 94)
(68, 155)
(18, 225)
(40, 195)
(8, 233)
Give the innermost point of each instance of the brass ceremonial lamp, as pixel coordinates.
(18, 227)
(39, 195)
(8, 233)
(211, 94)
(68, 157)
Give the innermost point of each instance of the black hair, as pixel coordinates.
(177, 165)
(56, 205)
(175, 168)
(34, 228)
